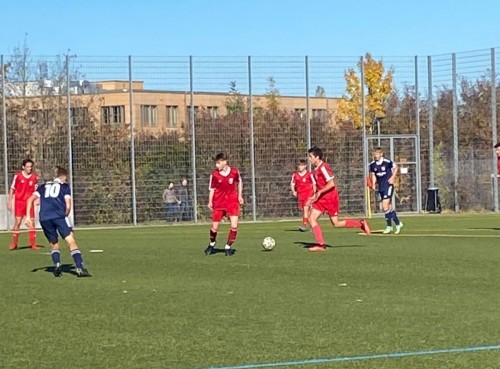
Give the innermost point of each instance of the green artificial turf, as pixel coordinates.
(155, 301)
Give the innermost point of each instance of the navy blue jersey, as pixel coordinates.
(53, 199)
(383, 171)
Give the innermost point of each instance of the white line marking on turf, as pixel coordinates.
(438, 235)
(360, 357)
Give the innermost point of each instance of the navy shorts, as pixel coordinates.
(52, 226)
(386, 193)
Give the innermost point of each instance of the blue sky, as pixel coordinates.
(257, 28)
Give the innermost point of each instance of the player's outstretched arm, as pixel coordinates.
(29, 206)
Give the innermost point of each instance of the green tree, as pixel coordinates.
(272, 96)
(320, 92)
(235, 102)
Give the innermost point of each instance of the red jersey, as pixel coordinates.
(225, 185)
(24, 186)
(323, 174)
(303, 184)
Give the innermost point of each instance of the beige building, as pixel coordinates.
(170, 109)
(109, 102)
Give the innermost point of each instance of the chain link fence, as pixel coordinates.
(127, 126)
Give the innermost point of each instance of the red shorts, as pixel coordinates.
(229, 211)
(302, 201)
(328, 204)
(20, 209)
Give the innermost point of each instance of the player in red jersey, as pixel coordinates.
(224, 199)
(303, 186)
(326, 200)
(497, 151)
(23, 186)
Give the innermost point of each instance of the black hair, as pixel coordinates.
(26, 161)
(316, 151)
(219, 156)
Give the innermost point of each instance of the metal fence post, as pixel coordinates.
(193, 138)
(494, 128)
(252, 142)
(430, 108)
(308, 114)
(132, 140)
(5, 153)
(70, 133)
(455, 129)
(417, 120)
(365, 142)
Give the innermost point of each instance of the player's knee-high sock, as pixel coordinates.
(32, 235)
(77, 257)
(318, 234)
(15, 237)
(56, 257)
(232, 236)
(351, 223)
(395, 217)
(213, 237)
(305, 220)
(388, 217)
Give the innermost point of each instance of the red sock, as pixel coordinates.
(15, 237)
(32, 235)
(232, 236)
(318, 235)
(351, 223)
(305, 221)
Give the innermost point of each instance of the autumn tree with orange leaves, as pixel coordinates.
(379, 86)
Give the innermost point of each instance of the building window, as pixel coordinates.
(172, 116)
(258, 110)
(79, 116)
(149, 115)
(38, 117)
(113, 114)
(301, 113)
(188, 112)
(213, 111)
(11, 117)
(320, 114)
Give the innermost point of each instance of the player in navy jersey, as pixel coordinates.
(224, 199)
(55, 206)
(383, 172)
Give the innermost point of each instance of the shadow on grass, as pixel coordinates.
(66, 268)
(27, 247)
(222, 251)
(487, 228)
(308, 245)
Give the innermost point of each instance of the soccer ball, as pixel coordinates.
(268, 243)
